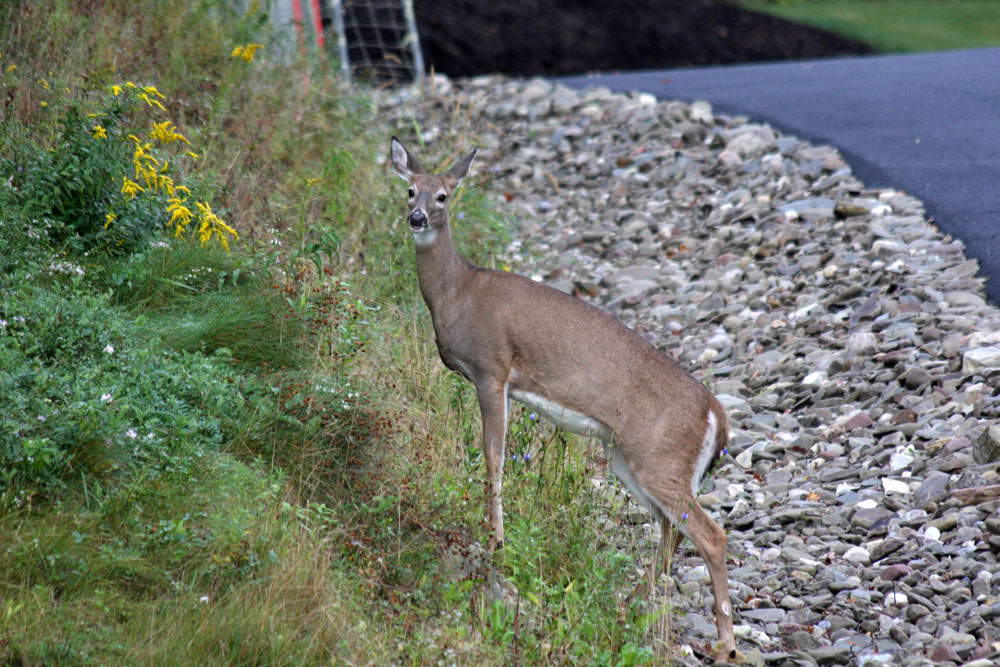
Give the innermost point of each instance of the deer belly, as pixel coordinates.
(571, 420)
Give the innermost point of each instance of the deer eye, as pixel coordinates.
(442, 197)
(410, 193)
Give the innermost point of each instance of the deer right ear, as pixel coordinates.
(403, 163)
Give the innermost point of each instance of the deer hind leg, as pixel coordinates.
(710, 541)
(493, 408)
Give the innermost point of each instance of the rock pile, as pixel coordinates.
(847, 337)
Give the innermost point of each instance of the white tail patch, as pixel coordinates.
(705, 454)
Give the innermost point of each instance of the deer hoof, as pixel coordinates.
(729, 655)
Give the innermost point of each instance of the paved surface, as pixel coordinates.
(927, 124)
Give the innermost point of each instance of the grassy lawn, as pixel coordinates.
(897, 26)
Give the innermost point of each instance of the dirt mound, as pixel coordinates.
(551, 37)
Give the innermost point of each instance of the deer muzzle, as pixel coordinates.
(418, 220)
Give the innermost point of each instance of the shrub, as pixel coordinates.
(83, 394)
(105, 187)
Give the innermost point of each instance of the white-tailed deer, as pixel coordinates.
(576, 365)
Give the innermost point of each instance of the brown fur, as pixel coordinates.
(506, 333)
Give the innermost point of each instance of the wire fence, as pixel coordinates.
(377, 40)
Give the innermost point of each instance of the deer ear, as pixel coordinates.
(461, 168)
(403, 162)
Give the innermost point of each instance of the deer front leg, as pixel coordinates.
(493, 407)
(670, 542)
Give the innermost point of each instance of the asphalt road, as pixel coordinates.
(926, 124)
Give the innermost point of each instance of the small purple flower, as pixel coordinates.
(533, 417)
(527, 457)
(684, 517)
(513, 457)
(461, 215)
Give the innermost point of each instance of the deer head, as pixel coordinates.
(429, 195)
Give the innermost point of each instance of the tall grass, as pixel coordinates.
(254, 456)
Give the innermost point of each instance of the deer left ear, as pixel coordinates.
(461, 168)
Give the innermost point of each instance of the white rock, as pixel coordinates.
(981, 359)
(857, 555)
(701, 112)
(895, 486)
(744, 459)
(861, 343)
(895, 599)
(814, 380)
(900, 461)
(932, 533)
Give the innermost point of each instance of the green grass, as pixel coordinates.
(252, 455)
(897, 26)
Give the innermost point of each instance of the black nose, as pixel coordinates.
(417, 219)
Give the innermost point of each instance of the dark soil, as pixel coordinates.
(551, 37)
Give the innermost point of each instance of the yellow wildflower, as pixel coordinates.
(100, 132)
(167, 185)
(166, 133)
(150, 176)
(129, 84)
(44, 83)
(44, 103)
(312, 181)
(246, 52)
(210, 223)
(116, 90)
(151, 90)
(11, 68)
(150, 102)
(193, 154)
(108, 219)
(130, 187)
(180, 215)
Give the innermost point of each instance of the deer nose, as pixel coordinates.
(417, 219)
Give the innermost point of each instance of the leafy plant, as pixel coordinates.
(106, 187)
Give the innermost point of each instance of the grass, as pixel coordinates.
(251, 455)
(897, 26)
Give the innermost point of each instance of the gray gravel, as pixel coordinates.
(849, 340)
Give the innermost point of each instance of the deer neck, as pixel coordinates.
(440, 269)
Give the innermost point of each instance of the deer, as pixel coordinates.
(578, 366)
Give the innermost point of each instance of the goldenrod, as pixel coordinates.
(130, 187)
(150, 102)
(246, 52)
(166, 133)
(180, 215)
(100, 132)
